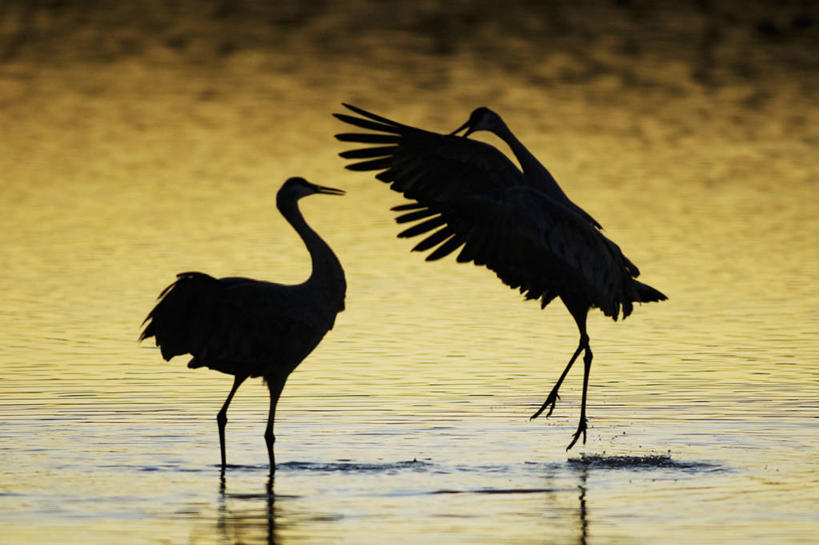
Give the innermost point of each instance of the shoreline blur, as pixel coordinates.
(718, 43)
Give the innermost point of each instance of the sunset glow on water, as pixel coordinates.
(410, 422)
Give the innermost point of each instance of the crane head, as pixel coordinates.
(298, 187)
(481, 119)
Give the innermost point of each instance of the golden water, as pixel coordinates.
(409, 423)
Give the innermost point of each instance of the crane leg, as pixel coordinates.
(551, 400)
(581, 426)
(275, 385)
(579, 311)
(221, 416)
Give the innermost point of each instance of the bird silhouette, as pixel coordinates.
(518, 222)
(251, 328)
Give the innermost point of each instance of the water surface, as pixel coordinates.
(409, 423)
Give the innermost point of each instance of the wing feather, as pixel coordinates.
(373, 164)
(413, 216)
(433, 240)
(366, 124)
(426, 166)
(534, 244)
(368, 138)
(378, 151)
(449, 246)
(234, 325)
(423, 227)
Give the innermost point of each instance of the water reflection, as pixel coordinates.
(113, 167)
(253, 517)
(584, 523)
(242, 524)
(664, 467)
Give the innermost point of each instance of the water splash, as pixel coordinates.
(640, 463)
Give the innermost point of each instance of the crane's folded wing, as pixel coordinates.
(233, 325)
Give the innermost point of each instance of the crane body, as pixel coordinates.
(250, 328)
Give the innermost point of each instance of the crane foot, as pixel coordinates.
(550, 402)
(581, 429)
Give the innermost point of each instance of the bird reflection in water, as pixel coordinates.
(248, 525)
(584, 523)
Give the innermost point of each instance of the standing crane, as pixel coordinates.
(251, 328)
(467, 195)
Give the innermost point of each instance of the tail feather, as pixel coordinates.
(646, 294)
(178, 321)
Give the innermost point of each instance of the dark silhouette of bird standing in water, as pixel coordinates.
(468, 195)
(251, 328)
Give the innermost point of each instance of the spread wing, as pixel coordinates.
(533, 244)
(471, 197)
(425, 166)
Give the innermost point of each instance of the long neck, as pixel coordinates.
(534, 172)
(537, 175)
(327, 274)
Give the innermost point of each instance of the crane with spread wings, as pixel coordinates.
(467, 195)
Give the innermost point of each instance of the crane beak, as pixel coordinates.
(466, 127)
(327, 190)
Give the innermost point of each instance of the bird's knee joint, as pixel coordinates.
(269, 437)
(221, 419)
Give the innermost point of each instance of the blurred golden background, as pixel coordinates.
(145, 138)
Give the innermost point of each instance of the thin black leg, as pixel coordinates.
(553, 396)
(579, 311)
(275, 385)
(221, 416)
(581, 426)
